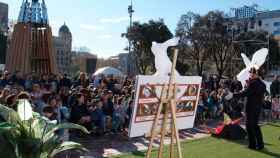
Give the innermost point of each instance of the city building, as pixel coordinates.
(30, 48)
(84, 62)
(112, 61)
(62, 45)
(3, 31)
(4, 9)
(122, 62)
(249, 18)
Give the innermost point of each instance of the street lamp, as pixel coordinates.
(130, 12)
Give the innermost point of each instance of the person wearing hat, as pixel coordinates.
(255, 98)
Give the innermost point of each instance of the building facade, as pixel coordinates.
(84, 62)
(4, 9)
(122, 61)
(62, 46)
(248, 18)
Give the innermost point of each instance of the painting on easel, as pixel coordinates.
(147, 98)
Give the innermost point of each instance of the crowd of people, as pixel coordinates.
(104, 104)
(215, 100)
(101, 104)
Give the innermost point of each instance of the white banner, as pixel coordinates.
(148, 90)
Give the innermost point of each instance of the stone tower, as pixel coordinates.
(62, 45)
(31, 45)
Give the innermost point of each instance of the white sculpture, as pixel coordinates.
(162, 62)
(257, 61)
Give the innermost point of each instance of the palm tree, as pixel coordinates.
(33, 136)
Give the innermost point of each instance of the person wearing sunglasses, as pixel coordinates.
(255, 97)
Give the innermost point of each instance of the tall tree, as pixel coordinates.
(141, 36)
(219, 42)
(250, 42)
(192, 44)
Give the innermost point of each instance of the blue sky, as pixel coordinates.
(98, 24)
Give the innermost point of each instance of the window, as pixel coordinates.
(277, 32)
(260, 23)
(276, 24)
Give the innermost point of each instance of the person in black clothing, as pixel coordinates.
(79, 112)
(235, 86)
(6, 80)
(255, 98)
(17, 79)
(65, 81)
(275, 87)
(108, 105)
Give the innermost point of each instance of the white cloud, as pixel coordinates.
(120, 19)
(91, 27)
(107, 36)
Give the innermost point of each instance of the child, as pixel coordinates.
(275, 108)
(118, 116)
(49, 113)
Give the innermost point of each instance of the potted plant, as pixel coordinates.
(26, 134)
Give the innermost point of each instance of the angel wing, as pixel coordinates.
(172, 42)
(259, 57)
(267, 84)
(243, 76)
(246, 60)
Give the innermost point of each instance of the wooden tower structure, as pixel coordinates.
(30, 49)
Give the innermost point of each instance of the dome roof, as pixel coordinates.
(64, 29)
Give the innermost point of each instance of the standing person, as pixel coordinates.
(275, 87)
(255, 98)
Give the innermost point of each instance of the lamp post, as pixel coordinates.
(130, 12)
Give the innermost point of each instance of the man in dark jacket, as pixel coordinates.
(255, 98)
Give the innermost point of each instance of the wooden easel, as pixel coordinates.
(167, 102)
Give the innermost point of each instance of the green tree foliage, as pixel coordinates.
(206, 38)
(141, 36)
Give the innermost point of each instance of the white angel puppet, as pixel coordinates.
(162, 62)
(257, 61)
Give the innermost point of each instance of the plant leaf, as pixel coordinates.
(9, 114)
(5, 126)
(51, 131)
(67, 146)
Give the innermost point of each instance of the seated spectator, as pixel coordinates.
(4, 93)
(11, 101)
(97, 116)
(79, 112)
(49, 113)
(129, 111)
(6, 79)
(119, 114)
(212, 103)
(17, 79)
(36, 96)
(108, 105)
